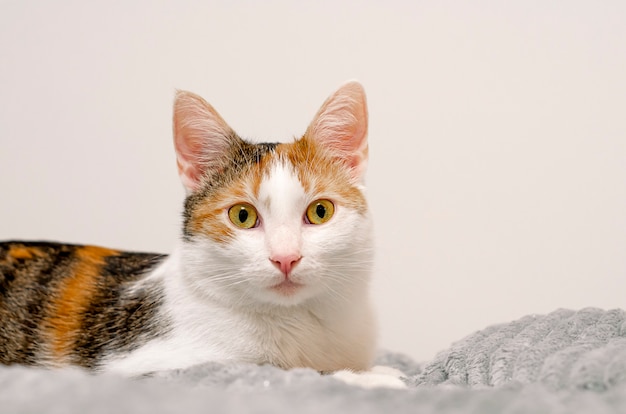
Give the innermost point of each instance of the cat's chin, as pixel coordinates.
(286, 293)
(287, 288)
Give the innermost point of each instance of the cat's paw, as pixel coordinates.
(378, 376)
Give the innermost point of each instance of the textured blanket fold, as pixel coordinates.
(564, 349)
(565, 361)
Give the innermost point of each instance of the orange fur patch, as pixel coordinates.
(210, 217)
(321, 173)
(17, 252)
(207, 220)
(74, 296)
(260, 170)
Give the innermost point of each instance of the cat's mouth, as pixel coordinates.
(287, 287)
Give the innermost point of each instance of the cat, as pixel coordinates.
(272, 267)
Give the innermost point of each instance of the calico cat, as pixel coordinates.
(273, 264)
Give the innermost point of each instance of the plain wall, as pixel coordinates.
(497, 173)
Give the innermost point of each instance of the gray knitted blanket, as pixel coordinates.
(563, 362)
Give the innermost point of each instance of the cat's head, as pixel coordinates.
(275, 223)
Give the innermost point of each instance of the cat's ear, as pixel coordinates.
(202, 139)
(341, 127)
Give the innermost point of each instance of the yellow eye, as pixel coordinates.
(320, 211)
(243, 215)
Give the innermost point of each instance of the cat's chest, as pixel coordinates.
(294, 338)
(297, 339)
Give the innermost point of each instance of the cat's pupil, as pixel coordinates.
(320, 210)
(243, 215)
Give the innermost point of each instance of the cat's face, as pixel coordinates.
(276, 223)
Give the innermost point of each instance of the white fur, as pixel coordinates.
(221, 305)
(378, 376)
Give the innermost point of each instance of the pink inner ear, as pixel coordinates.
(189, 176)
(201, 138)
(341, 126)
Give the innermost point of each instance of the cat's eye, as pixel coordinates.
(320, 211)
(243, 215)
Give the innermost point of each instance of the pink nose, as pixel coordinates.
(286, 262)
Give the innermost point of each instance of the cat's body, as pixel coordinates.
(273, 265)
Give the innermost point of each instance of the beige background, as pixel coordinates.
(497, 136)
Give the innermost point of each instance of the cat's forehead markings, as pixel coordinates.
(259, 171)
(301, 155)
(280, 188)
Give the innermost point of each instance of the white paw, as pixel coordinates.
(378, 376)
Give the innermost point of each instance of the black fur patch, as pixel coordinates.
(121, 317)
